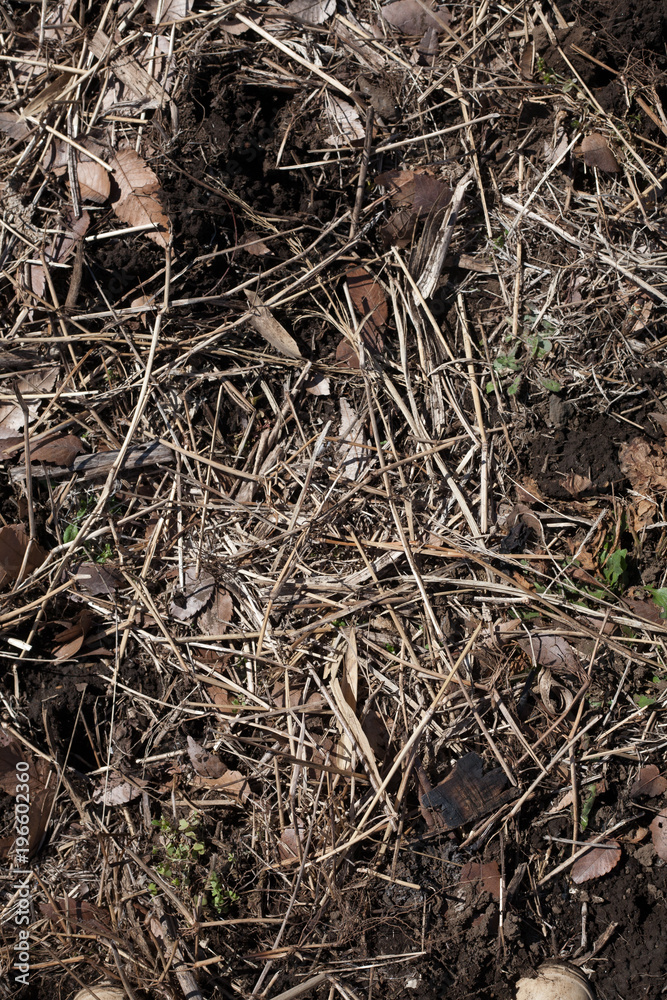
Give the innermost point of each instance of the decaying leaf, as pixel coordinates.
(484, 876)
(649, 782)
(467, 793)
(94, 183)
(118, 790)
(13, 125)
(354, 456)
(167, 11)
(576, 484)
(312, 11)
(346, 124)
(596, 862)
(77, 915)
(231, 783)
(205, 763)
(58, 451)
(415, 189)
(68, 643)
(41, 782)
(198, 589)
(346, 355)
(14, 541)
(215, 619)
(318, 385)
(96, 580)
(254, 244)
(262, 320)
(595, 152)
(410, 18)
(659, 834)
(551, 651)
(644, 463)
(138, 202)
(290, 843)
(370, 302)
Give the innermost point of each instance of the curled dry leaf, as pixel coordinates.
(659, 834)
(595, 152)
(138, 202)
(262, 320)
(14, 541)
(370, 302)
(312, 11)
(598, 861)
(198, 589)
(205, 763)
(60, 451)
(410, 18)
(649, 782)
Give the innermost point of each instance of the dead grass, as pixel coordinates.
(311, 526)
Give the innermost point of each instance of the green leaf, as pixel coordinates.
(514, 388)
(615, 567)
(70, 533)
(660, 598)
(551, 384)
(643, 700)
(586, 808)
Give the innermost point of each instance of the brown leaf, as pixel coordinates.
(138, 203)
(596, 862)
(648, 610)
(644, 463)
(60, 451)
(415, 189)
(78, 915)
(262, 319)
(13, 544)
(485, 877)
(649, 782)
(118, 791)
(206, 764)
(346, 355)
(576, 484)
(13, 125)
(661, 420)
(354, 456)
(230, 783)
(659, 834)
(369, 300)
(217, 617)
(347, 127)
(167, 11)
(65, 241)
(96, 580)
(41, 783)
(595, 152)
(399, 229)
(198, 589)
(94, 183)
(410, 18)
(289, 843)
(551, 651)
(318, 385)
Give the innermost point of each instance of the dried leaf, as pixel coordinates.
(551, 651)
(353, 454)
(13, 125)
(410, 18)
(648, 610)
(369, 300)
(78, 915)
(312, 11)
(661, 420)
(60, 451)
(485, 877)
(596, 862)
(399, 229)
(217, 617)
(347, 127)
(644, 463)
(138, 203)
(576, 484)
(346, 355)
(649, 782)
(318, 385)
(252, 242)
(230, 783)
(467, 793)
(289, 843)
(205, 764)
(96, 580)
(118, 791)
(94, 183)
(64, 242)
(41, 782)
(167, 11)
(198, 589)
(13, 544)
(595, 152)
(659, 834)
(415, 189)
(262, 320)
